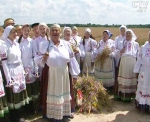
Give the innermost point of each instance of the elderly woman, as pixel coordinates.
(14, 72)
(127, 81)
(57, 55)
(89, 49)
(67, 37)
(104, 65)
(142, 70)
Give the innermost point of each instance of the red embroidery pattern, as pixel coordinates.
(147, 54)
(1, 87)
(146, 95)
(3, 56)
(129, 47)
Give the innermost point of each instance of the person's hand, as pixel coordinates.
(74, 80)
(45, 56)
(123, 50)
(76, 50)
(136, 75)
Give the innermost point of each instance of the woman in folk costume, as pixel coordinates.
(77, 39)
(118, 42)
(42, 29)
(104, 62)
(27, 56)
(3, 101)
(89, 47)
(67, 37)
(14, 72)
(58, 54)
(127, 81)
(142, 70)
(35, 30)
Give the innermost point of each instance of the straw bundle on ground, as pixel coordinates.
(91, 95)
(102, 56)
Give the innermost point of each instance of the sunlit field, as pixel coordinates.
(141, 33)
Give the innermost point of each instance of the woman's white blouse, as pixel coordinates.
(131, 48)
(27, 52)
(119, 41)
(11, 54)
(102, 45)
(60, 56)
(37, 42)
(143, 57)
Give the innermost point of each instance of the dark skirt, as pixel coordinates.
(16, 100)
(72, 91)
(43, 89)
(33, 90)
(3, 106)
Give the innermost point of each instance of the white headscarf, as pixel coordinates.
(7, 32)
(68, 28)
(133, 35)
(123, 26)
(88, 30)
(42, 24)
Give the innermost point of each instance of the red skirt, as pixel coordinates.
(43, 89)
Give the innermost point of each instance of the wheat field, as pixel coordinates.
(141, 33)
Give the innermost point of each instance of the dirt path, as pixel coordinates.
(122, 112)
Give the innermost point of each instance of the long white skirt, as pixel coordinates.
(87, 62)
(143, 88)
(106, 74)
(58, 93)
(127, 81)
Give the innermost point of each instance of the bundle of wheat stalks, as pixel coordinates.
(102, 56)
(94, 95)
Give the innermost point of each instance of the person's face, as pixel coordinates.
(87, 35)
(55, 33)
(11, 22)
(123, 31)
(42, 30)
(35, 31)
(105, 36)
(25, 32)
(74, 32)
(67, 34)
(128, 35)
(12, 34)
(19, 32)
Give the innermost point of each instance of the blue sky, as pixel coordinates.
(74, 11)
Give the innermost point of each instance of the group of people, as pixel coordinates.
(40, 72)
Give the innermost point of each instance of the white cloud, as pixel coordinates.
(73, 11)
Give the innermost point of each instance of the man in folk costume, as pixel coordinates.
(58, 54)
(127, 81)
(104, 63)
(77, 39)
(142, 70)
(19, 31)
(7, 22)
(89, 48)
(14, 73)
